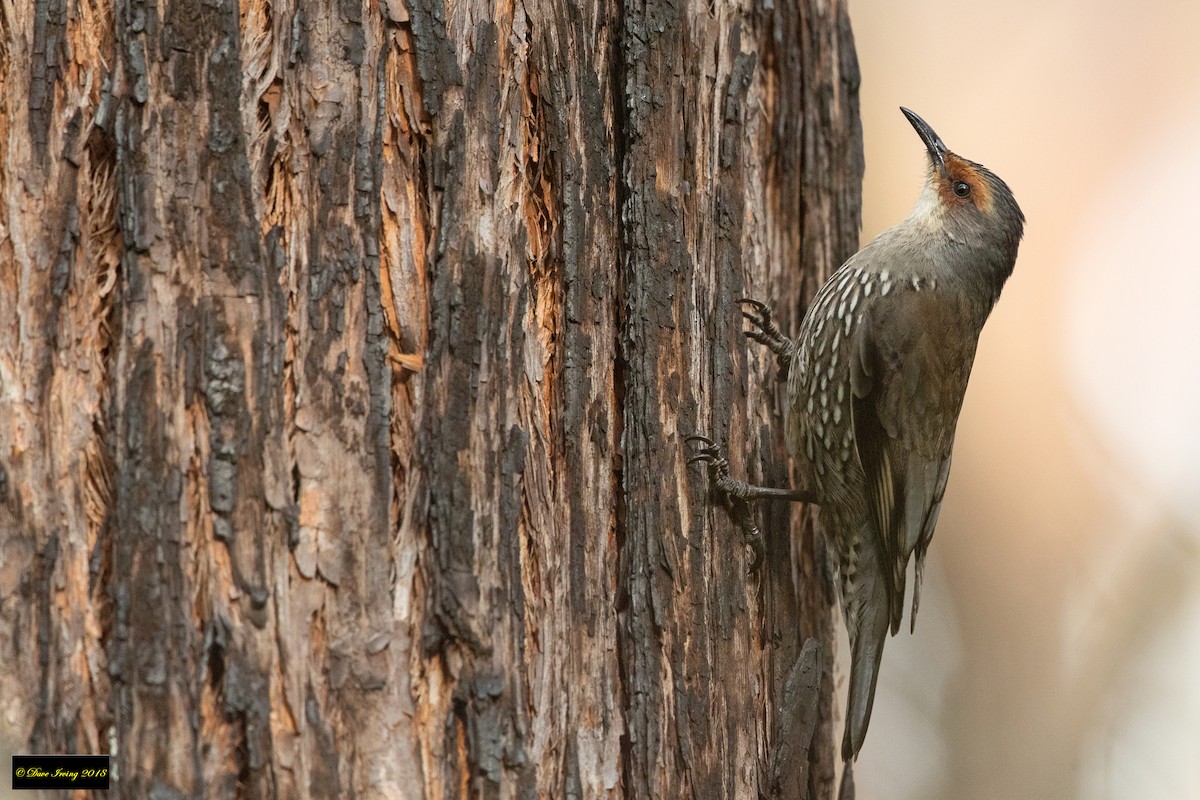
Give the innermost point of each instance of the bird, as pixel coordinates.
(875, 383)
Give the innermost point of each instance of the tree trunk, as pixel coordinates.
(346, 356)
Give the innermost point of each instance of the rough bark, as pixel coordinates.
(346, 352)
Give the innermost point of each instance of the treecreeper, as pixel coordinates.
(875, 382)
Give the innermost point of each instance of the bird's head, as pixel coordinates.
(966, 201)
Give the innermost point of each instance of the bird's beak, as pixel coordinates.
(933, 143)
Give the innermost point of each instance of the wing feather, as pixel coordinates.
(911, 363)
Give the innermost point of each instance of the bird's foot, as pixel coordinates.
(735, 493)
(766, 332)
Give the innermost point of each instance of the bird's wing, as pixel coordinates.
(912, 357)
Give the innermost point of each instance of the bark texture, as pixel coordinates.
(346, 354)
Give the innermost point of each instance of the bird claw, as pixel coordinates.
(768, 333)
(733, 492)
(709, 454)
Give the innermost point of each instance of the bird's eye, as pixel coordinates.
(962, 188)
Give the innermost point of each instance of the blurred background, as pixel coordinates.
(1057, 653)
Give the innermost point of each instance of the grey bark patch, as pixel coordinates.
(46, 68)
(323, 782)
(224, 393)
(437, 63)
(799, 715)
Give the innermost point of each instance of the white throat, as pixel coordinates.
(928, 211)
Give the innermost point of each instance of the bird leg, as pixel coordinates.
(759, 315)
(737, 494)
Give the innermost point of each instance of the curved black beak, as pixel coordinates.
(933, 143)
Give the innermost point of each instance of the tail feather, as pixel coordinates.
(865, 655)
(896, 596)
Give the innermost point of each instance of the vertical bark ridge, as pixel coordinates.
(58, 264)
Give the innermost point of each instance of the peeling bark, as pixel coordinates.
(347, 356)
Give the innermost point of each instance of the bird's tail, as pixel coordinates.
(866, 651)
